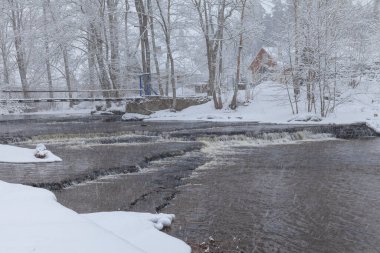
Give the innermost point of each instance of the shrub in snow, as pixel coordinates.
(41, 152)
(100, 107)
(306, 118)
(11, 107)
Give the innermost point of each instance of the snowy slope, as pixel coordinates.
(270, 104)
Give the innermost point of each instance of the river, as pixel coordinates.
(286, 191)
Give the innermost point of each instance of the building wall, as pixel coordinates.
(261, 66)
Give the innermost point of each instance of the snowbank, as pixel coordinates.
(141, 229)
(307, 117)
(134, 117)
(270, 104)
(12, 154)
(374, 124)
(32, 221)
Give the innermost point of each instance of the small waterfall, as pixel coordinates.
(224, 150)
(91, 139)
(266, 139)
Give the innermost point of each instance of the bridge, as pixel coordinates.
(73, 96)
(112, 95)
(138, 100)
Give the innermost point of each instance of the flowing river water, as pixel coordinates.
(281, 191)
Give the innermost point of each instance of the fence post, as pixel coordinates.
(149, 85)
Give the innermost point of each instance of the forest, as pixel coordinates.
(322, 46)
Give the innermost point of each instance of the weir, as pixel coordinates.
(344, 131)
(140, 144)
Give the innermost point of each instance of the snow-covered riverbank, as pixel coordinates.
(270, 104)
(31, 220)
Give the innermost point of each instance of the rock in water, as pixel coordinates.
(134, 117)
(41, 151)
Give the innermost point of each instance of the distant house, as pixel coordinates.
(264, 65)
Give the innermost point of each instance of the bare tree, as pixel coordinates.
(157, 65)
(47, 49)
(214, 40)
(166, 30)
(233, 104)
(65, 54)
(5, 45)
(91, 59)
(16, 10)
(114, 43)
(144, 43)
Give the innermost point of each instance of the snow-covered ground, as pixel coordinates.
(270, 104)
(12, 154)
(31, 220)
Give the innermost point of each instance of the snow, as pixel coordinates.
(273, 52)
(12, 154)
(134, 117)
(270, 104)
(31, 220)
(146, 229)
(307, 117)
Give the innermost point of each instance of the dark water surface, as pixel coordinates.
(81, 161)
(310, 197)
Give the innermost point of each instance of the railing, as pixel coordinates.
(91, 95)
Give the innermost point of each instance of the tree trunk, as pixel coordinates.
(67, 74)
(172, 76)
(114, 45)
(105, 83)
(233, 104)
(47, 52)
(213, 46)
(150, 11)
(91, 62)
(165, 26)
(296, 79)
(126, 36)
(16, 19)
(145, 47)
(4, 56)
(167, 69)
